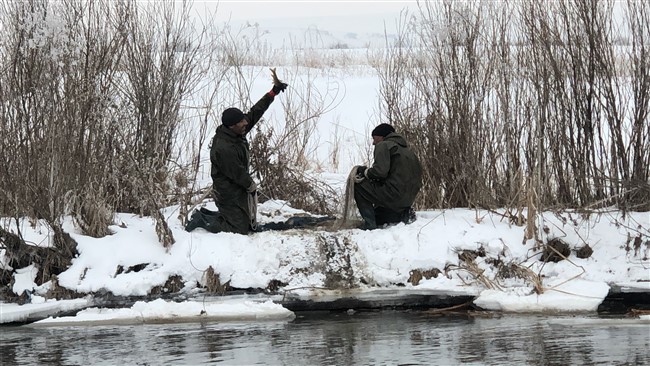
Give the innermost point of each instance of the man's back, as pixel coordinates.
(405, 173)
(230, 166)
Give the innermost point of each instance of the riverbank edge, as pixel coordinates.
(618, 301)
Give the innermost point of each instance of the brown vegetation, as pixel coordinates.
(525, 104)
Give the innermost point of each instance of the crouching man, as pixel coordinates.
(385, 192)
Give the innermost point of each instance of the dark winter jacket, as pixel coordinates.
(395, 177)
(229, 155)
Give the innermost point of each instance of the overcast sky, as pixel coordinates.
(264, 9)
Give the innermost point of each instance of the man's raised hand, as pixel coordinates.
(278, 85)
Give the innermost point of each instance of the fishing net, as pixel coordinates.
(350, 217)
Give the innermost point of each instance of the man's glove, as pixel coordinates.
(252, 188)
(279, 88)
(360, 174)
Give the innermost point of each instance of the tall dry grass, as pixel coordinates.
(527, 104)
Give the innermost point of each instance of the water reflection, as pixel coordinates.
(335, 339)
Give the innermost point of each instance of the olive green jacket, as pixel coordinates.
(229, 155)
(395, 177)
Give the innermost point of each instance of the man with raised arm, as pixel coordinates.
(233, 188)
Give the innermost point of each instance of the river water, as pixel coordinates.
(362, 338)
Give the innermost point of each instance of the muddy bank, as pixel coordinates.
(622, 302)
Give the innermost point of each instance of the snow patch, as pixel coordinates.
(574, 296)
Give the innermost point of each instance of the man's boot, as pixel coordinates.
(408, 215)
(196, 220)
(385, 216)
(207, 212)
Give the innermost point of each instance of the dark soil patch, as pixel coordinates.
(173, 285)
(416, 275)
(555, 251)
(136, 268)
(584, 252)
(50, 261)
(466, 255)
(275, 285)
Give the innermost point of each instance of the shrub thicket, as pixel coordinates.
(537, 104)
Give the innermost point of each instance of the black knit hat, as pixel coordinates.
(382, 130)
(231, 117)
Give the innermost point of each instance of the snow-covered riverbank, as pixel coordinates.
(446, 252)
